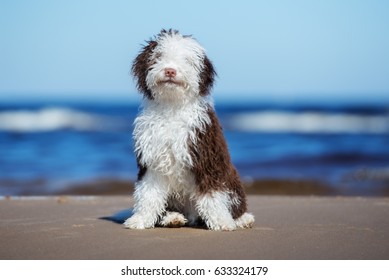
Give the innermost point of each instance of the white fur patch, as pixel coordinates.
(162, 132)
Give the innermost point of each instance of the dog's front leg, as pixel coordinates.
(150, 202)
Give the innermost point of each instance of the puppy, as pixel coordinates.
(185, 172)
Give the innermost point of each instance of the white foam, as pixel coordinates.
(310, 122)
(51, 119)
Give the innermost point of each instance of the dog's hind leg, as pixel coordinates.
(173, 219)
(214, 210)
(245, 221)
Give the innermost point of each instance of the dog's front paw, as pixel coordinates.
(138, 222)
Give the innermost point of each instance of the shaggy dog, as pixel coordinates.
(185, 173)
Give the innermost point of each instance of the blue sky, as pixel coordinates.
(277, 50)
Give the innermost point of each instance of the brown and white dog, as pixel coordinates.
(185, 172)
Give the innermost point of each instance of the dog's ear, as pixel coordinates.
(141, 66)
(207, 77)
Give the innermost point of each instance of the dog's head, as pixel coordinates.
(173, 67)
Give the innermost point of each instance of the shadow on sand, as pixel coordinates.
(120, 216)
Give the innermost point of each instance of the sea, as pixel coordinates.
(50, 146)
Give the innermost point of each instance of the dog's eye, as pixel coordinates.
(155, 58)
(193, 63)
(190, 61)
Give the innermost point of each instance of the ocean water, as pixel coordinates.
(52, 146)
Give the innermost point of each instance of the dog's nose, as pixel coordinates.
(170, 72)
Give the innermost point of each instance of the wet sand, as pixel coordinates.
(264, 186)
(287, 227)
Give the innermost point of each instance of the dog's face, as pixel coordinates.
(173, 67)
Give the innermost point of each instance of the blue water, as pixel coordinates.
(51, 146)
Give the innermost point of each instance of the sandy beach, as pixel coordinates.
(287, 227)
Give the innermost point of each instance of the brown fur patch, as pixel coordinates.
(141, 169)
(207, 77)
(212, 167)
(141, 66)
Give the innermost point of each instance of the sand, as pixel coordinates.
(287, 227)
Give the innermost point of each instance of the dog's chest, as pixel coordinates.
(162, 137)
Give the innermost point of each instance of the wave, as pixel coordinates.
(309, 122)
(52, 119)
(59, 118)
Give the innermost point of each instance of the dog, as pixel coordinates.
(185, 176)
